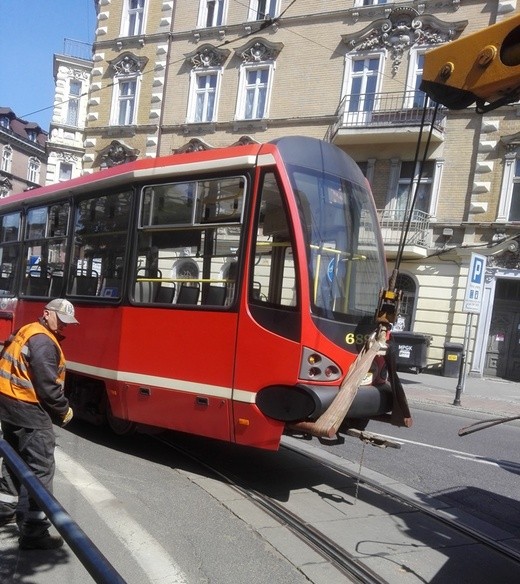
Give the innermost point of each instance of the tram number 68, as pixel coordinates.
(356, 338)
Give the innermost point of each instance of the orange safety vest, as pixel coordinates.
(14, 378)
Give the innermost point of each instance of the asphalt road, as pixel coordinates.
(477, 473)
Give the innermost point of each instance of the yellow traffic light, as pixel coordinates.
(483, 67)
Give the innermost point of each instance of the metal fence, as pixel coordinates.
(392, 223)
(89, 555)
(383, 110)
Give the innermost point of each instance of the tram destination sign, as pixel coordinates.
(475, 284)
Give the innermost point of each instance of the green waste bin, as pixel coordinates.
(411, 349)
(452, 360)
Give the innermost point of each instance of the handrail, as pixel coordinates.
(85, 550)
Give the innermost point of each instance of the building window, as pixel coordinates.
(133, 18)
(203, 96)
(414, 97)
(73, 103)
(65, 171)
(33, 170)
(255, 88)
(422, 190)
(370, 2)
(514, 207)
(263, 9)
(127, 79)
(4, 122)
(212, 13)
(363, 78)
(7, 158)
(31, 135)
(126, 93)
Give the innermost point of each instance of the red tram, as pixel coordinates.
(223, 293)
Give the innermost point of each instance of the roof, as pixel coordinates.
(22, 128)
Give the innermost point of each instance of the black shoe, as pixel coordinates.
(8, 520)
(42, 542)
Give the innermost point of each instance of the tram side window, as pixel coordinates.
(274, 277)
(188, 242)
(9, 252)
(45, 249)
(100, 243)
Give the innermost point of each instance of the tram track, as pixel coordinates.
(437, 514)
(388, 553)
(341, 559)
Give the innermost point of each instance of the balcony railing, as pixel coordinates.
(393, 222)
(384, 110)
(77, 49)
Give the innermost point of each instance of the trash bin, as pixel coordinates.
(452, 360)
(411, 349)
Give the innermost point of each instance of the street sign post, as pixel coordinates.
(475, 284)
(472, 305)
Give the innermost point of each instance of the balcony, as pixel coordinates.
(385, 118)
(393, 222)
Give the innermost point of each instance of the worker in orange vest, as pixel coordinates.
(32, 378)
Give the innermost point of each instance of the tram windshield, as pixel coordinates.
(345, 258)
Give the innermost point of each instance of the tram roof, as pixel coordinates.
(219, 159)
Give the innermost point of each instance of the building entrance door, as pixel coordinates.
(503, 346)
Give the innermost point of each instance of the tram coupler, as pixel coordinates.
(373, 439)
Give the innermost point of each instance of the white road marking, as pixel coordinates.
(456, 453)
(146, 551)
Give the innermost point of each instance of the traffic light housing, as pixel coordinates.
(483, 67)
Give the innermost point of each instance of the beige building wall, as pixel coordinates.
(311, 46)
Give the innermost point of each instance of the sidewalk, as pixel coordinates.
(491, 396)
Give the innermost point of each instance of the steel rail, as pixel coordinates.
(459, 526)
(345, 562)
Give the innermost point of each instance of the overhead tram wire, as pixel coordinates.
(413, 188)
(264, 24)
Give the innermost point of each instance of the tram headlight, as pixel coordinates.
(332, 372)
(317, 367)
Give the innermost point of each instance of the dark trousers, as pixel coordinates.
(36, 449)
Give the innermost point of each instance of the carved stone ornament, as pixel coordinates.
(128, 64)
(208, 56)
(67, 157)
(259, 50)
(194, 145)
(245, 141)
(511, 142)
(403, 28)
(117, 153)
(509, 259)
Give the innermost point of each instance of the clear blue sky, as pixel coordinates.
(32, 32)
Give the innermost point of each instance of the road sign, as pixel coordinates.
(475, 284)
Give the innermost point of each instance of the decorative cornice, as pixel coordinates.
(258, 50)
(403, 28)
(128, 64)
(208, 56)
(511, 142)
(117, 153)
(194, 145)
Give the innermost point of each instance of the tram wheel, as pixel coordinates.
(118, 425)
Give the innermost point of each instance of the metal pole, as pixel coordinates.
(462, 371)
(89, 555)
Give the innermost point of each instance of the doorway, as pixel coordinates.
(503, 345)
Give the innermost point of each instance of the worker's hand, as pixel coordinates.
(67, 417)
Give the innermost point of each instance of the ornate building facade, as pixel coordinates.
(65, 148)
(22, 154)
(173, 75)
